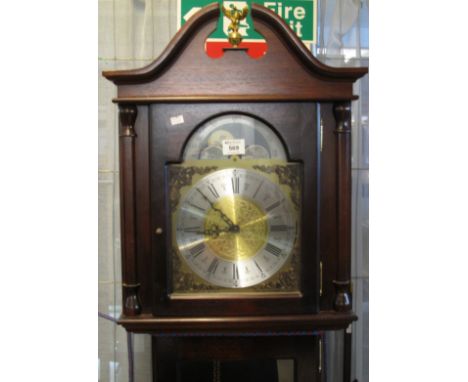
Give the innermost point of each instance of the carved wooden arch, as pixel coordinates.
(184, 72)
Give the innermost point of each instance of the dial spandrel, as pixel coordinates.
(235, 228)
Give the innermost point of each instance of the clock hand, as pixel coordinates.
(214, 231)
(233, 227)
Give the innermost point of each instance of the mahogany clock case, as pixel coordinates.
(306, 103)
(295, 123)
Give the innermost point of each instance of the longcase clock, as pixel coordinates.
(235, 197)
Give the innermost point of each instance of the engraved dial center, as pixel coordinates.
(246, 238)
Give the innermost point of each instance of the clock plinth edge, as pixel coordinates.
(249, 325)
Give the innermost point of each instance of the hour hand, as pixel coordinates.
(226, 219)
(214, 231)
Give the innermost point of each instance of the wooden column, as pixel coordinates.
(342, 112)
(130, 282)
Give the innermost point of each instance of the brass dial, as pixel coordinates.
(235, 228)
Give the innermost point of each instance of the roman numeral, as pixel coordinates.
(196, 207)
(258, 189)
(213, 266)
(235, 272)
(275, 251)
(197, 250)
(259, 268)
(235, 184)
(279, 228)
(273, 206)
(213, 191)
(204, 196)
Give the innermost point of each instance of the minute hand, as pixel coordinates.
(226, 219)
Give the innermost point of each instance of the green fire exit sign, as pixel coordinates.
(300, 15)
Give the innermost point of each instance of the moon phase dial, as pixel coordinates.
(235, 228)
(259, 139)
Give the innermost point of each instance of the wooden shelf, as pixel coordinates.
(248, 325)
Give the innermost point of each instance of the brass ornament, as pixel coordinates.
(186, 281)
(236, 16)
(287, 279)
(288, 175)
(181, 177)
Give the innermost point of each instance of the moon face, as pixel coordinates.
(235, 228)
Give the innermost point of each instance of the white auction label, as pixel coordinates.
(233, 147)
(177, 120)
